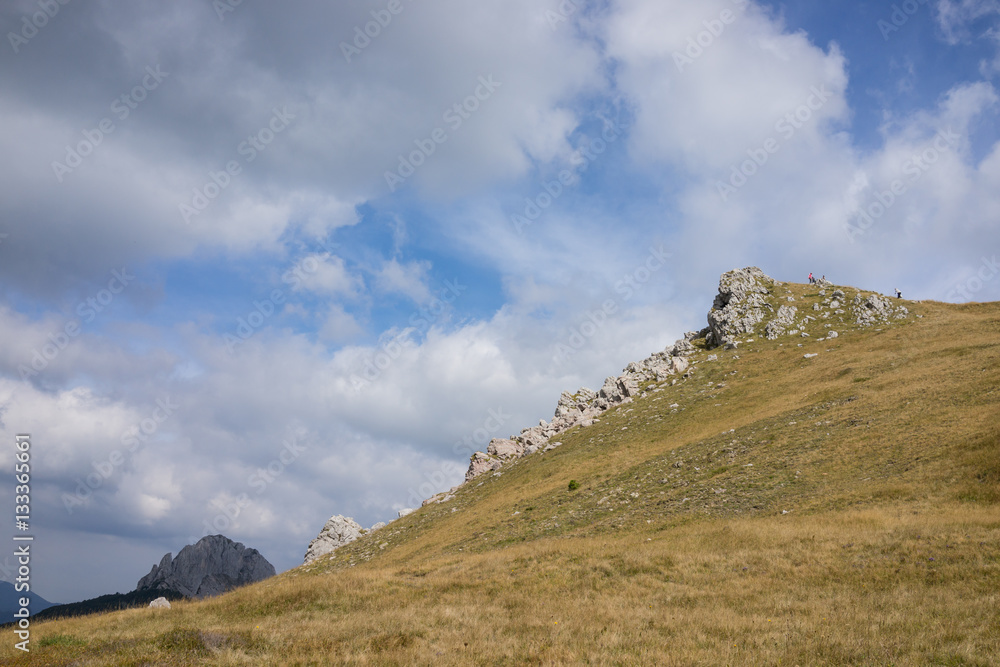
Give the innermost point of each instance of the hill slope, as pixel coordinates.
(839, 509)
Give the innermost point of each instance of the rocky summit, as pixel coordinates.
(214, 565)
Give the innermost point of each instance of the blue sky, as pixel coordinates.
(273, 282)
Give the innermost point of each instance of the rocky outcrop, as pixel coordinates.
(784, 319)
(875, 309)
(481, 463)
(746, 299)
(505, 449)
(338, 531)
(214, 565)
(740, 305)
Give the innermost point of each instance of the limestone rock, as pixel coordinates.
(406, 511)
(214, 565)
(338, 531)
(682, 348)
(505, 449)
(784, 319)
(875, 309)
(160, 603)
(481, 463)
(740, 305)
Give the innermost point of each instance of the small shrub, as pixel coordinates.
(573, 485)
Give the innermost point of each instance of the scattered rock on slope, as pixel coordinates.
(875, 309)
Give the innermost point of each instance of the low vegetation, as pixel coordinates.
(769, 509)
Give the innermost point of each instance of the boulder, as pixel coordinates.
(214, 565)
(338, 531)
(160, 603)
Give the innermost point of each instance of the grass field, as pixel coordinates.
(839, 510)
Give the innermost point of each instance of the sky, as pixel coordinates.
(263, 263)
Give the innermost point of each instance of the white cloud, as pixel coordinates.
(408, 279)
(339, 326)
(325, 274)
(954, 16)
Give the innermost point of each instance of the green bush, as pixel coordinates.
(573, 485)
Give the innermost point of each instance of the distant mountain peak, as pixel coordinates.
(214, 565)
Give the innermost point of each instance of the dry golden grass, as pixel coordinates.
(884, 451)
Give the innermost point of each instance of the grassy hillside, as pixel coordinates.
(843, 509)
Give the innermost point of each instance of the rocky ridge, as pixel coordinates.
(214, 565)
(746, 299)
(748, 304)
